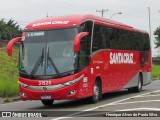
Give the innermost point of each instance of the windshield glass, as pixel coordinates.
(47, 54)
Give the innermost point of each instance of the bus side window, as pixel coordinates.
(87, 27)
(83, 54)
(85, 45)
(104, 34)
(97, 38)
(111, 38)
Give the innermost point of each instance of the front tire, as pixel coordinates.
(47, 102)
(97, 93)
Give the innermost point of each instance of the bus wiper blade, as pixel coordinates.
(42, 57)
(67, 73)
(24, 74)
(38, 63)
(52, 63)
(36, 66)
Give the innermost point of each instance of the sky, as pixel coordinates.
(134, 12)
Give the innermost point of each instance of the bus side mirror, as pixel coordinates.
(77, 40)
(11, 43)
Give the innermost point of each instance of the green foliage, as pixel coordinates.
(156, 71)
(157, 33)
(8, 73)
(9, 30)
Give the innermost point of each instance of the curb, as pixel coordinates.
(155, 79)
(9, 100)
(16, 98)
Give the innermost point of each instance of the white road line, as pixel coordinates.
(112, 103)
(155, 109)
(145, 94)
(155, 91)
(59, 118)
(116, 102)
(150, 95)
(137, 102)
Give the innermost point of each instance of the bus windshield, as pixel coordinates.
(47, 54)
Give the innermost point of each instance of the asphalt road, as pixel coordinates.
(146, 100)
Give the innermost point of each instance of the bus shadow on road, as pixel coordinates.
(64, 104)
(118, 94)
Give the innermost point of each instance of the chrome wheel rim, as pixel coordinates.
(96, 91)
(139, 84)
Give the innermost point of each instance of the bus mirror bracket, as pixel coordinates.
(11, 43)
(77, 40)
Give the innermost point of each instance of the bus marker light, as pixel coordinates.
(97, 67)
(92, 71)
(85, 79)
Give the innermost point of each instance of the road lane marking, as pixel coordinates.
(116, 101)
(137, 102)
(112, 103)
(155, 91)
(150, 95)
(155, 109)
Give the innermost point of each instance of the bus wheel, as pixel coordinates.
(97, 93)
(138, 88)
(47, 102)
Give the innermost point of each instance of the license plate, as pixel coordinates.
(46, 97)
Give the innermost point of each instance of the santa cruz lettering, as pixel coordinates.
(121, 58)
(50, 23)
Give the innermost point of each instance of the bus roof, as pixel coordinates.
(74, 20)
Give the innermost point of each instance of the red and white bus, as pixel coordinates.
(79, 56)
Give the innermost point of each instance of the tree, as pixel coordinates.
(9, 30)
(157, 33)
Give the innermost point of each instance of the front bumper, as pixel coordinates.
(62, 93)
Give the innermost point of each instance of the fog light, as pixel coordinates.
(23, 94)
(70, 93)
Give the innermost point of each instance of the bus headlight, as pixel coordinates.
(73, 81)
(23, 85)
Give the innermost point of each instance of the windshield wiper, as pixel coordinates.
(52, 63)
(71, 72)
(38, 63)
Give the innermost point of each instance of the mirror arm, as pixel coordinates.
(78, 39)
(11, 43)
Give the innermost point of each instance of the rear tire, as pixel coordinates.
(97, 93)
(47, 102)
(138, 88)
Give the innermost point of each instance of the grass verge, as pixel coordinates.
(8, 73)
(155, 71)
